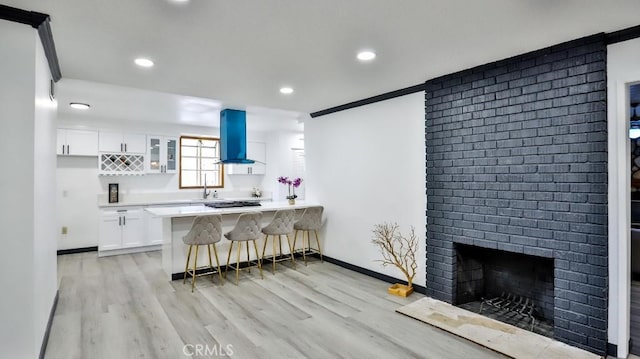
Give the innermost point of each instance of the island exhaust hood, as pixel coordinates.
(233, 137)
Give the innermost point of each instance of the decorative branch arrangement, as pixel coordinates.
(397, 249)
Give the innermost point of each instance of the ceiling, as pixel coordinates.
(113, 102)
(241, 52)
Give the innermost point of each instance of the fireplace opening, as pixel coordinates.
(510, 287)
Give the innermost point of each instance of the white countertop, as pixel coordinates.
(177, 202)
(187, 211)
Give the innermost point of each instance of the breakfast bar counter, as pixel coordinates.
(176, 222)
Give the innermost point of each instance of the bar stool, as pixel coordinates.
(282, 224)
(205, 231)
(247, 229)
(311, 221)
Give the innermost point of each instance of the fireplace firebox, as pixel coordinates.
(511, 287)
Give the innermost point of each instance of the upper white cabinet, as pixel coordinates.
(256, 151)
(77, 142)
(162, 154)
(116, 142)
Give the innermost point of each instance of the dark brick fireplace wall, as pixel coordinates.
(517, 161)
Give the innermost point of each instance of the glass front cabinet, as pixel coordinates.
(162, 156)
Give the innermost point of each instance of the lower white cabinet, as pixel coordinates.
(121, 228)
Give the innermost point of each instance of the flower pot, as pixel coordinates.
(400, 290)
(292, 201)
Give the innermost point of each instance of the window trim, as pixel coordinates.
(180, 163)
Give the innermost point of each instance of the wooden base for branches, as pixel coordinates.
(400, 290)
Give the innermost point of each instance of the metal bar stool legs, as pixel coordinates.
(193, 270)
(274, 256)
(236, 266)
(306, 244)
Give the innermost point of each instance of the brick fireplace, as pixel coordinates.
(517, 164)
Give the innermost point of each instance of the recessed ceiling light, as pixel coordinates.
(79, 106)
(142, 62)
(286, 90)
(366, 55)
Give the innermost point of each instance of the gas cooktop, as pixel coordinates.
(231, 204)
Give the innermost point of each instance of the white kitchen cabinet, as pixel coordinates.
(77, 142)
(110, 231)
(256, 151)
(121, 228)
(162, 154)
(116, 142)
(133, 229)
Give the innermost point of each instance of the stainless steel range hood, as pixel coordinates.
(233, 137)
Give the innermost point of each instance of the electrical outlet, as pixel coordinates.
(64, 230)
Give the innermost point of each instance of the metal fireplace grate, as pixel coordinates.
(511, 303)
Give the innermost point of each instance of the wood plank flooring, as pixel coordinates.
(122, 307)
(635, 317)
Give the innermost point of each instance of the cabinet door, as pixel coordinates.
(133, 231)
(61, 146)
(82, 143)
(257, 169)
(111, 142)
(154, 162)
(170, 155)
(236, 169)
(135, 143)
(110, 231)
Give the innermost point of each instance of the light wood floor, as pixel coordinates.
(635, 317)
(122, 307)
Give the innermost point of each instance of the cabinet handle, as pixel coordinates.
(125, 147)
(68, 152)
(121, 148)
(63, 149)
(119, 221)
(124, 221)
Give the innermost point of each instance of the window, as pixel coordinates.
(199, 159)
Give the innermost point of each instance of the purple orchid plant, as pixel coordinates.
(292, 184)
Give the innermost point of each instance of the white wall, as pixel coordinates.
(44, 204)
(279, 146)
(622, 69)
(27, 184)
(79, 184)
(366, 165)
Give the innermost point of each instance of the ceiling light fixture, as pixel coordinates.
(286, 90)
(142, 62)
(79, 106)
(366, 55)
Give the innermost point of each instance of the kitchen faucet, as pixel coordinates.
(205, 194)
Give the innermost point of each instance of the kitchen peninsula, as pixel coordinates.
(176, 222)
